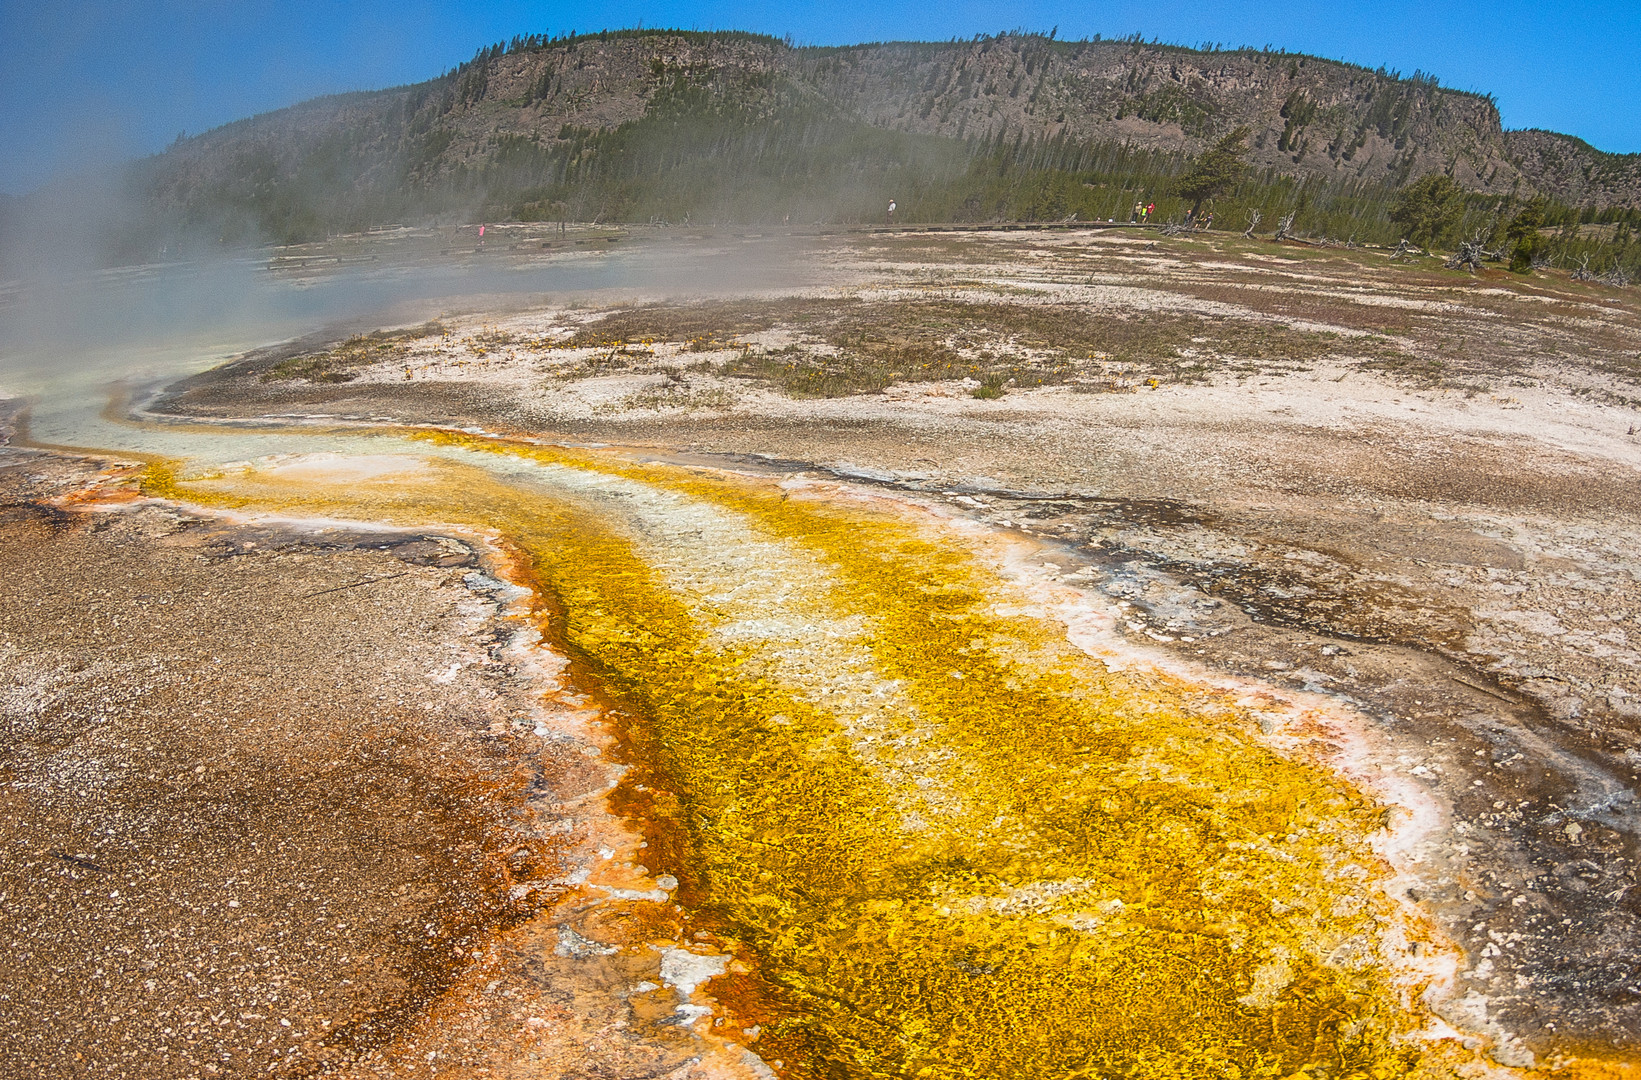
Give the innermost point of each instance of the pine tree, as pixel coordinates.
(1216, 171)
(1523, 233)
(1428, 209)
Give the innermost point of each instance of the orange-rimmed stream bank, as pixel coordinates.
(936, 837)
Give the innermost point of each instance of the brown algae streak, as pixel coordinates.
(1129, 885)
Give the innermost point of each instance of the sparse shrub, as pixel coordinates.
(990, 387)
(341, 363)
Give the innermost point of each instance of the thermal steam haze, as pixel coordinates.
(68, 339)
(87, 84)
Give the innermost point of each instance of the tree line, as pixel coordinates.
(770, 154)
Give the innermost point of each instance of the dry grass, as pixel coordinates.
(1007, 336)
(853, 346)
(341, 363)
(700, 326)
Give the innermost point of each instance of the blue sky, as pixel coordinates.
(84, 83)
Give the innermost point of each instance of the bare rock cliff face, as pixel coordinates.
(1306, 116)
(589, 84)
(1575, 171)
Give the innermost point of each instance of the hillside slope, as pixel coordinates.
(1305, 115)
(658, 121)
(1573, 170)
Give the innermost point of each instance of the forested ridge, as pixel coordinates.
(732, 128)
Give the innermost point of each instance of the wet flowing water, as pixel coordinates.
(946, 837)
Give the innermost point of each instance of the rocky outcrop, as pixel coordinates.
(1306, 116)
(1575, 171)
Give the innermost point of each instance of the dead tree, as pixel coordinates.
(1253, 223)
(1286, 224)
(1404, 250)
(1470, 255)
(1617, 275)
(1583, 271)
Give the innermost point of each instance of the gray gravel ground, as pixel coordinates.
(250, 809)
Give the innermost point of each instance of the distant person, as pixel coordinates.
(1150, 208)
(1139, 209)
(891, 210)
